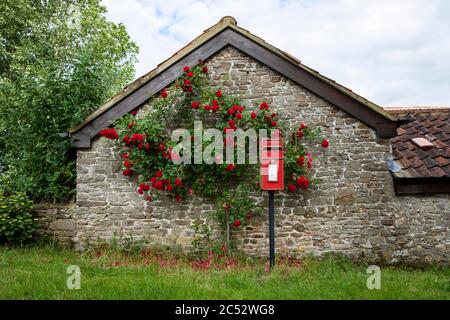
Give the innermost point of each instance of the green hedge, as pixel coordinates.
(16, 221)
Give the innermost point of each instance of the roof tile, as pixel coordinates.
(416, 162)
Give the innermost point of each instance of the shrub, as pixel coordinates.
(16, 221)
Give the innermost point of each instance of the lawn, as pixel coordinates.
(40, 273)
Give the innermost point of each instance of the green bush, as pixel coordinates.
(16, 221)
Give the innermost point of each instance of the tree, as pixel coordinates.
(59, 60)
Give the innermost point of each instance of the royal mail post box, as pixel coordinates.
(272, 164)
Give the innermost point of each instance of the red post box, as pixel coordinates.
(272, 164)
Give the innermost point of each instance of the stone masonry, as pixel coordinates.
(352, 211)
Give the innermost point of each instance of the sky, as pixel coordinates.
(392, 52)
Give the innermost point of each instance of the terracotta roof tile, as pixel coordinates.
(415, 161)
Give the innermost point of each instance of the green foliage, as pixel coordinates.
(59, 60)
(16, 221)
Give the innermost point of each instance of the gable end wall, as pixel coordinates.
(352, 211)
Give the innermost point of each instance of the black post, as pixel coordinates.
(271, 229)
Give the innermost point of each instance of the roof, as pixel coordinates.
(226, 32)
(422, 165)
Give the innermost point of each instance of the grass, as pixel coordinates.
(40, 273)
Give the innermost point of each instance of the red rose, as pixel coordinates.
(195, 104)
(292, 188)
(178, 182)
(178, 198)
(237, 223)
(253, 115)
(302, 126)
(164, 93)
(207, 107)
(147, 146)
(230, 111)
(273, 123)
(186, 69)
(264, 106)
(159, 174)
(131, 125)
(127, 164)
(230, 167)
(301, 161)
(219, 94)
(162, 147)
(190, 74)
(148, 198)
(303, 182)
(144, 187)
(205, 69)
(125, 156)
(215, 107)
(231, 123)
(325, 143)
(187, 82)
(127, 172)
(133, 113)
(300, 134)
(238, 115)
(273, 115)
(169, 187)
(158, 185)
(137, 137)
(109, 133)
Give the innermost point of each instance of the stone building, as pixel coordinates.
(382, 195)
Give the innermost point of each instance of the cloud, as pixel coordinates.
(391, 52)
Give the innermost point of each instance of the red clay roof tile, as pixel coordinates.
(415, 161)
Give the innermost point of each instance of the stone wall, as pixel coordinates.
(353, 210)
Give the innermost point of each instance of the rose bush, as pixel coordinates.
(146, 152)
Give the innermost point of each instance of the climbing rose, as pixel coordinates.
(230, 167)
(292, 188)
(190, 74)
(264, 106)
(164, 93)
(301, 161)
(159, 174)
(303, 182)
(169, 187)
(137, 137)
(238, 115)
(127, 164)
(186, 69)
(194, 104)
(253, 115)
(205, 69)
(219, 93)
(325, 143)
(178, 182)
(207, 107)
(110, 134)
(144, 187)
(127, 172)
(237, 223)
(158, 185)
